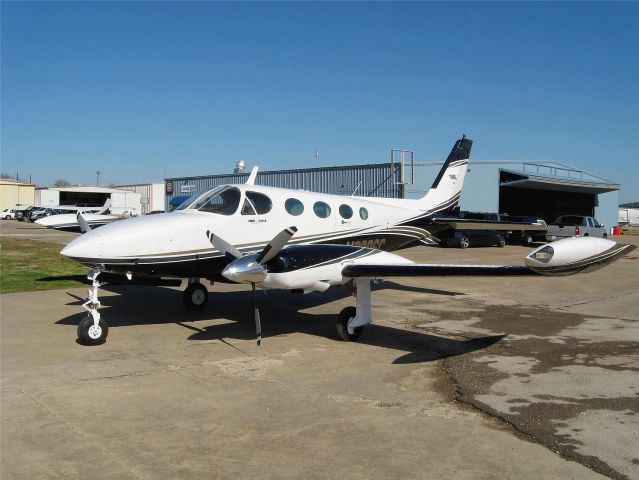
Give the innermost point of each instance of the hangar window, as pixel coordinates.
(223, 201)
(363, 213)
(256, 203)
(294, 206)
(345, 211)
(322, 210)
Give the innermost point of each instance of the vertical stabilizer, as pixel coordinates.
(105, 207)
(444, 194)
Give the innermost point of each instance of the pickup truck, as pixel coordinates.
(575, 226)
(479, 228)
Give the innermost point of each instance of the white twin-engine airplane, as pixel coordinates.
(276, 238)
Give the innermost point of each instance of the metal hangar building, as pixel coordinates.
(545, 189)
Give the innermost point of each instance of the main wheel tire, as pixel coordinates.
(89, 334)
(605, 235)
(464, 242)
(501, 241)
(342, 325)
(196, 296)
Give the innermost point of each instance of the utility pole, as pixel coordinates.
(97, 181)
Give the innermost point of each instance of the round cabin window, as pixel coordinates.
(294, 206)
(345, 211)
(322, 210)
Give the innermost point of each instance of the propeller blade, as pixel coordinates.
(84, 226)
(275, 245)
(222, 245)
(258, 324)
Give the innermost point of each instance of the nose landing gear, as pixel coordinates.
(93, 330)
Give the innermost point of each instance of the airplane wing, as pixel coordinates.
(427, 270)
(563, 257)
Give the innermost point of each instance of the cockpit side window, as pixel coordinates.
(222, 202)
(260, 201)
(247, 208)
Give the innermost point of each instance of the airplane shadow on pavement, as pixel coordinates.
(282, 313)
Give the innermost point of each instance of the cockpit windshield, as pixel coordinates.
(221, 200)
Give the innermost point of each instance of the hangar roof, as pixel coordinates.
(85, 188)
(574, 181)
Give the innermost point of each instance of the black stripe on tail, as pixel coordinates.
(460, 151)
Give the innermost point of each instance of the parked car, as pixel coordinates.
(22, 213)
(575, 226)
(38, 213)
(8, 214)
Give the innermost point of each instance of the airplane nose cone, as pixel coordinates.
(87, 246)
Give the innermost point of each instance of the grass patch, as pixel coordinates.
(30, 265)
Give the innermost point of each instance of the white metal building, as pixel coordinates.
(90, 196)
(152, 195)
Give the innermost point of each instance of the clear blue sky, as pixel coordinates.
(140, 90)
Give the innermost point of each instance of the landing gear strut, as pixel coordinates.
(196, 296)
(93, 330)
(352, 320)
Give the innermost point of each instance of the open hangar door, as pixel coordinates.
(548, 197)
(84, 199)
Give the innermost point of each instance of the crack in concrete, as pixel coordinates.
(85, 436)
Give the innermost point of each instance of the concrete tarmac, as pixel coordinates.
(458, 377)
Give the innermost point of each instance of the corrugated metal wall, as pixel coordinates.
(373, 180)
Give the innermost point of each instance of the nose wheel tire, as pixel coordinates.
(342, 325)
(195, 297)
(90, 334)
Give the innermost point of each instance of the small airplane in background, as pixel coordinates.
(93, 216)
(299, 241)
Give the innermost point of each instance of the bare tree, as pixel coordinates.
(61, 182)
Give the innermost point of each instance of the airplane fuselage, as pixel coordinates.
(248, 216)
(175, 244)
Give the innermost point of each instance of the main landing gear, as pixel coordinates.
(196, 296)
(92, 330)
(352, 320)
